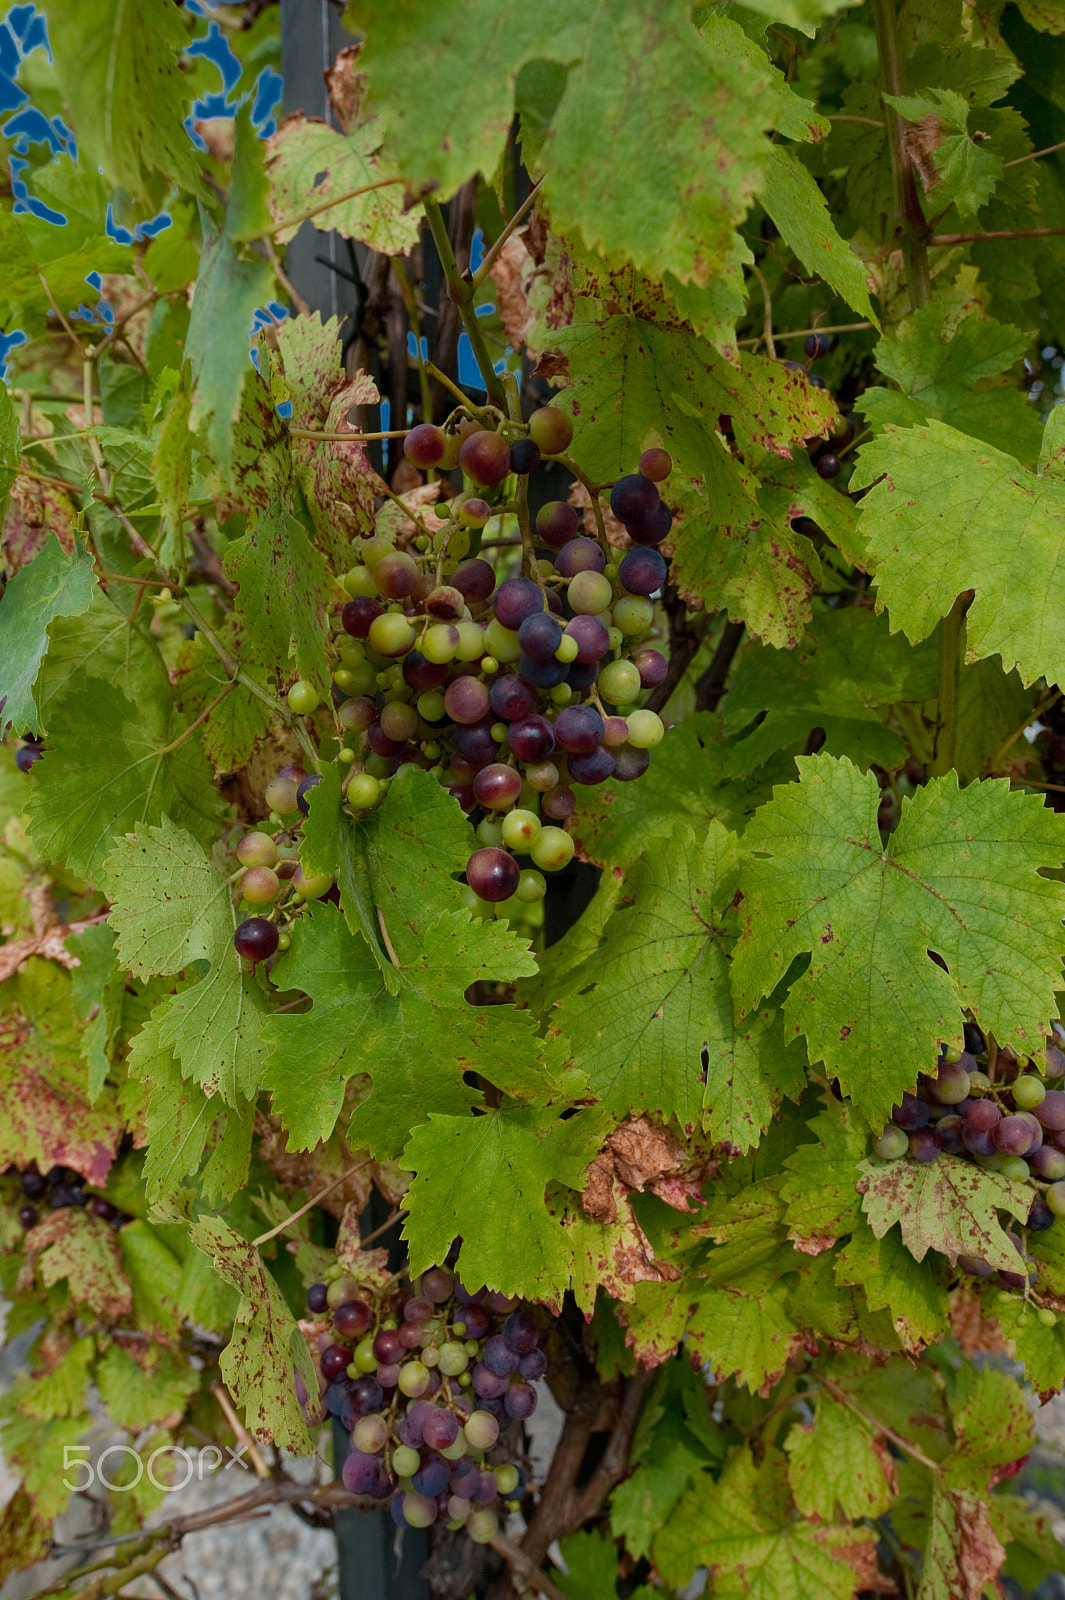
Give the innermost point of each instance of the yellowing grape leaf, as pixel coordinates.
(837, 1460)
(946, 513)
(949, 1205)
(959, 876)
(310, 163)
(76, 1247)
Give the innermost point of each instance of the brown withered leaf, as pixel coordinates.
(970, 1326)
(922, 139)
(512, 272)
(856, 1548)
(613, 1254)
(34, 510)
(49, 945)
(963, 1553)
(369, 1267)
(345, 86)
(643, 1152)
(24, 1537)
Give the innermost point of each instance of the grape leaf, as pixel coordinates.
(10, 446)
(103, 643)
(170, 908)
(78, 1248)
(155, 1277)
(967, 173)
(24, 1534)
(835, 1461)
(98, 989)
(247, 211)
(117, 70)
(942, 366)
(483, 1179)
(1033, 1551)
(52, 585)
(135, 1398)
(935, 488)
(911, 1292)
(646, 1006)
(746, 1336)
(646, 1500)
(959, 876)
(740, 1527)
(309, 163)
(232, 728)
(267, 1349)
(821, 1192)
(791, 197)
(1041, 1351)
(62, 1391)
(229, 289)
(181, 1123)
(283, 594)
(637, 78)
(950, 1205)
(416, 1045)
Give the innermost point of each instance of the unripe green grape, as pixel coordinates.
(418, 1510)
(979, 1083)
(506, 910)
(472, 642)
(552, 850)
(430, 1356)
(311, 886)
(457, 1448)
(303, 698)
(951, 1054)
(472, 1347)
(359, 583)
(452, 540)
(362, 1357)
(892, 1143)
(541, 776)
(431, 752)
(532, 886)
(414, 1379)
(560, 695)
(260, 885)
(363, 792)
(633, 614)
(345, 679)
(1028, 1091)
(345, 755)
(391, 634)
(458, 1509)
(484, 909)
(439, 643)
(382, 680)
(482, 1429)
(490, 832)
(619, 681)
(568, 649)
(373, 549)
(519, 829)
(351, 651)
(528, 798)
(431, 705)
(284, 942)
(489, 664)
(1047, 1318)
(646, 729)
(1055, 1198)
(1016, 1168)
(256, 850)
(589, 592)
(452, 1358)
(362, 678)
(482, 1525)
(370, 1434)
(281, 794)
(378, 766)
(534, 915)
(506, 1478)
(502, 642)
(423, 543)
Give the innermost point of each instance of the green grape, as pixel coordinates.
(392, 635)
(359, 583)
(303, 698)
(552, 850)
(951, 1054)
(1028, 1091)
(370, 1434)
(344, 679)
(1055, 1198)
(490, 832)
(405, 1461)
(453, 1358)
(260, 885)
(892, 1143)
(518, 831)
(362, 1357)
(1048, 1318)
(532, 886)
(534, 915)
(363, 792)
(561, 694)
(502, 642)
(256, 850)
(482, 1525)
(979, 1083)
(439, 643)
(431, 705)
(589, 592)
(471, 641)
(284, 941)
(482, 1429)
(489, 664)
(506, 1478)
(619, 681)
(615, 638)
(568, 649)
(633, 614)
(1017, 1169)
(311, 886)
(646, 729)
(457, 1449)
(484, 909)
(351, 651)
(362, 676)
(414, 1379)
(345, 755)
(373, 549)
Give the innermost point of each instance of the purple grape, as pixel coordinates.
(421, 674)
(28, 1216)
(580, 555)
(544, 674)
(978, 1141)
(1036, 1128)
(519, 1401)
(26, 755)
(492, 874)
(533, 1366)
(256, 939)
(440, 1429)
(910, 1113)
(304, 789)
(387, 1348)
(817, 344)
(1048, 1163)
(950, 1133)
(380, 743)
(531, 738)
(437, 1285)
(488, 1490)
(652, 529)
(465, 1478)
(652, 667)
(579, 729)
(497, 786)
(471, 1322)
(432, 1476)
(520, 1332)
(582, 674)
(1051, 1110)
(516, 599)
(633, 496)
(358, 614)
(334, 1361)
(487, 1385)
(827, 465)
(485, 457)
(983, 1114)
(1040, 1215)
(352, 1319)
(425, 445)
(367, 1394)
(593, 639)
(558, 803)
(540, 636)
(656, 464)
(524, 456)
(474, 579)
(1013, 1136)
(103, 1209)
(317, 1299)
(473, 741)
(975, 1266)
(395, 575)
(466, 700)
(642, 571)
(924, 1145)
(359, 1472)
(594, 768)
(336, 1397)
(469, 1297)
(499, 1358)
(556, 523)
(32, 1183)
(510, 697)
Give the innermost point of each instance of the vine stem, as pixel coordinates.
(515, 1557)
(492, 253)
(996, 233)
(911, 1449)
(229, 1411)
(346, 438)
(1044, 703)
(460, 290)
(909, 217)
(951, 650)
(264, 1238)
(767, 312)
(1033, 155)
(327, 205)
(801, 333)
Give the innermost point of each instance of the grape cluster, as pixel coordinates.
(508, 692)
(998, 1111)
(423, 1380)
(59, 1188)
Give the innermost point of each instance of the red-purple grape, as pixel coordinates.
(596, 767)
(524, 456)
(579, 729)
(28, 1216)
(519, 1401)
(387, 1348)
(924, 1145)
(642, 571)
(497, 786)
(256, 939)
(633, 496)
(1051, 1110)
(910, 1113)
(630, 763)
(516, 599)
(445, 603)
(395, 575)
(471, 1321)
(984, 1115)
(531, 738)
(485, 457)
(473, 741)
(359, 1472)
(540, 636)
(558, 803)
(510, 697)
(1013, 1136)
(580, 555)
(466, 700)
(492, 874)
(827, 465)
(652, 667)
(358, 614)
(366, 1394)
(440, 1429)
(474, 579)
(425, 445)
(651, 529)
(556, 523)
(950, 1133)
(520, 1332)
(655, 464)
(352, 1319)
(380, 743)
(422, 675)
(593, 639)
(333, 1361)
(488, 1385)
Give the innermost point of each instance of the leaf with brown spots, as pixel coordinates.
(950, 1205)
(834, 1462)
(76, 1247)
(612, 1253)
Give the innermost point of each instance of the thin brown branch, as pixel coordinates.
(1033, 155)
(398, 1215)
(311, 1203)
(515, 1557)
(614, 1463)
(243, 1436)
(996, 233)
(711, 686)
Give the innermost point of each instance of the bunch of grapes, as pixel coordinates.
(59, 1188)
(508, 692)
(998, 1111)
(423, 1380)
